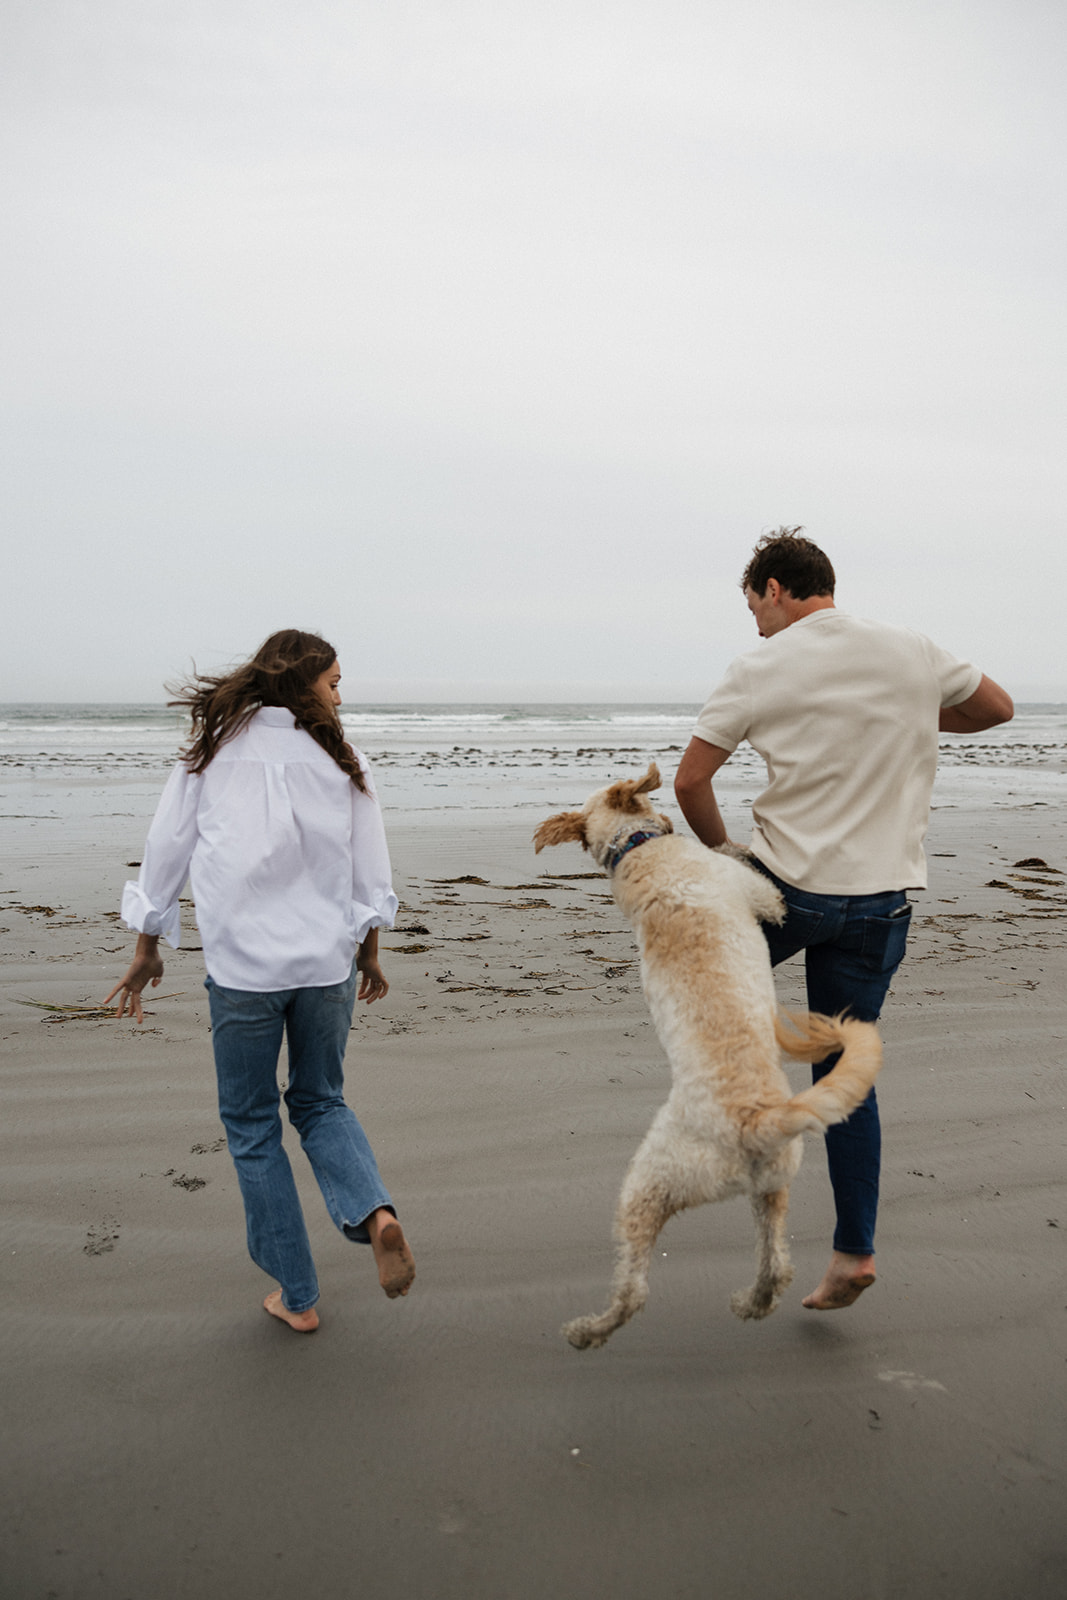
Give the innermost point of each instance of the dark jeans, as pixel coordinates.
(853, 944)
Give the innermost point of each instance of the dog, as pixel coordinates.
(730, 1124)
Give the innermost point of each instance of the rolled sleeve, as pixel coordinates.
(151, 904)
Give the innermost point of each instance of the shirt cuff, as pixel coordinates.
(383, 917)
(141, 916)
(721, 741)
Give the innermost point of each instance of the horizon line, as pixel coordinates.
(543, 695)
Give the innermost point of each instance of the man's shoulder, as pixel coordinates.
(819, 631)
(831, 628)
(827, 645)
(872, 633)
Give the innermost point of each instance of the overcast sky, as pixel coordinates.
(486, 338)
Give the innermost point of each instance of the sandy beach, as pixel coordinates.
(550, 361)
(166, 1438)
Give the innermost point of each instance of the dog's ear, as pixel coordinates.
(666, 821)
(565, 828)
(621, 795)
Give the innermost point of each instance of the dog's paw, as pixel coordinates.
(749, 1306)
(736, 852)
(581, 1333)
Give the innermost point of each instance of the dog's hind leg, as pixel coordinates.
(639, 1220)
(774, 1270)
(663, 1178)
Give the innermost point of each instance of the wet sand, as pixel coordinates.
(165, 1437)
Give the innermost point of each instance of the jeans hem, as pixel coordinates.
(357, 1231)
(298, 1310)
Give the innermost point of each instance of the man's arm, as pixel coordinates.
(986, 707)
(693, 791)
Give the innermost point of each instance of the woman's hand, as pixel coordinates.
(372, 979)
(146, 967)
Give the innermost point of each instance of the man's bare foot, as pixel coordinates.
(845, 1280)
(396, 1264)
(302, 1321)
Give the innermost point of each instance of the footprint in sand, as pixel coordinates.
(102, 1237)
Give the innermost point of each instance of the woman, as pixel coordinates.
(274, 818)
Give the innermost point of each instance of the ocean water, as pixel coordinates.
(458, 758)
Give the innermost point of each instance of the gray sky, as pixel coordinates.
(486, 338)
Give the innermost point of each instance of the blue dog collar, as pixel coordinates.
(641, 837)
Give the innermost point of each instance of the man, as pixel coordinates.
(846, 714)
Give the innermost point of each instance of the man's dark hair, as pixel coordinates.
(799, 566)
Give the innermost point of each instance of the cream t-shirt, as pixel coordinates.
(844, 712)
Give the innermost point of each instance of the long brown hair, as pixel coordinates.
(281, 673)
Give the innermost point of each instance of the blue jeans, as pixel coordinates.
(853, 944)
(247, 1030)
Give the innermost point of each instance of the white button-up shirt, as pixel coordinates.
(287, 860)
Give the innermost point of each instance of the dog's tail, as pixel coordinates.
(810, 1037)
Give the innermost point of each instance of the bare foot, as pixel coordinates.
(302, 1321)
(845, 1280)
(396, 1264)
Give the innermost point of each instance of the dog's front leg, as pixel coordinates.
(774, 1270)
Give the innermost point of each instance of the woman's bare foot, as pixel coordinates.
(302, 1321)
(845, 1280)
(396, 1264)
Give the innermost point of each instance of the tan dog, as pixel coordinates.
(730, 1125)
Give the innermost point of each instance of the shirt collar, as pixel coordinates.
(814, 616)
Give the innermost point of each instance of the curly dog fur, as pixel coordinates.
(730, 1125)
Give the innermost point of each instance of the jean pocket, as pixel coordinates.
(801, 926)
(885, 939)
(800, 929)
